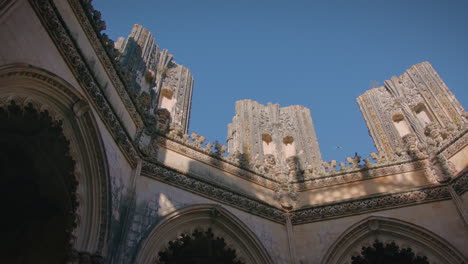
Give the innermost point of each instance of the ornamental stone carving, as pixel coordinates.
(424, 105)
(413, 147)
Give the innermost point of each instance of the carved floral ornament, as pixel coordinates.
(219, 151)
(389, 230)
(28, 86)
(207, 153)
(92, 24)
(53, 23)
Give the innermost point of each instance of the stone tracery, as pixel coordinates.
(200, 247)
(29, 87)
(380, 253)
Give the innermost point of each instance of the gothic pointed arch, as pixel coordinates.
(391, 233)
(29, 87)
(203, 220)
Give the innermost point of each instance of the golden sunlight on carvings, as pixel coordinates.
(107, 125)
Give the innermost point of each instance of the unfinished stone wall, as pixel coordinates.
(284, 136)
(161, 88)
(416, 109)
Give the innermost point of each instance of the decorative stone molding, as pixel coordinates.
(196, 151)
(202, 217)
(363, 173)
(365, 232)
(455, 145)
(369, 204)
(238, 165)
(460, 184)
(213, 192)
(105, 51)
(58, 32)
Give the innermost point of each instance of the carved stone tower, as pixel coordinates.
(286, 134)
(414, 110)
(161, 87)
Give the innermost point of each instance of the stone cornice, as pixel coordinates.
(370, 204)
(58, 32)
(217, 193)
(362, 174)
(455, 145)
(216, 161)
(96, 41)
(460, 184)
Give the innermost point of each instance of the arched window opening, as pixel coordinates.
(37, 187)
(198, 248)
(167, 99)
(401, 125)
(289, 147)
(391, 253)
(423, 114)
(269, 147)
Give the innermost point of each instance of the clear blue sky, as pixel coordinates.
(320, 54)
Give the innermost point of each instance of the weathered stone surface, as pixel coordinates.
(417, 103)
(153, 78)
(134, 174)
(257, 131)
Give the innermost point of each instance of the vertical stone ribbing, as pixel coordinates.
(157, 81)
(258, 130)
(413, 104)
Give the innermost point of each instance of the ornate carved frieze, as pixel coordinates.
(104, 48)
(365, 205)
(460, 184)
(58, 32)
(213, 192)
(195, 151)
(418, 113)
(264, 170)
(258, 130)
(458, 143)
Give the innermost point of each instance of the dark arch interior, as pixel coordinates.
(37, 187)
(380, 253)
(198, 248)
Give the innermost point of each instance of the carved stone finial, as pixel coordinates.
(354, 162)
(442, 168)
(367, 162)
(163, 119)
(285, 192)
(433, 131)
(413, 148)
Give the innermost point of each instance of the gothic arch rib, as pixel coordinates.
(386, 229)
(26, 84)
(220, 221)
